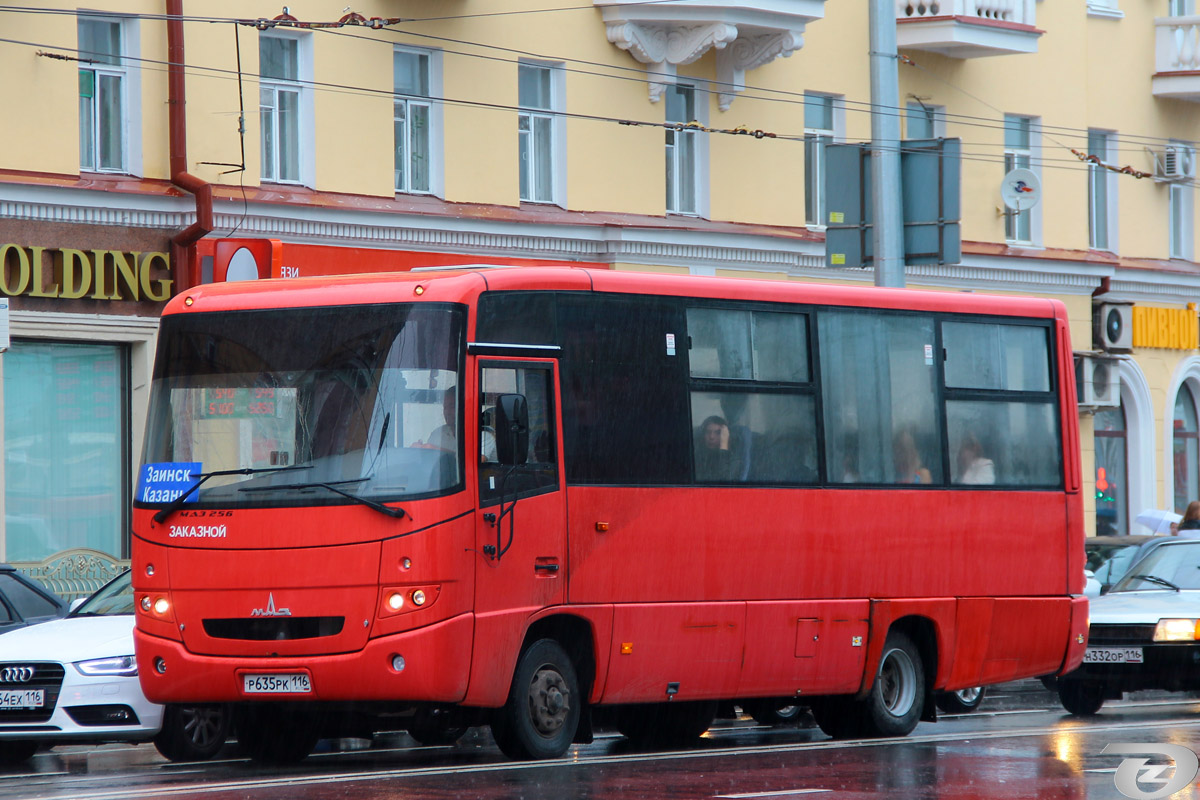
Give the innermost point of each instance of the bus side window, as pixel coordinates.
(540, 472)
(879, 398)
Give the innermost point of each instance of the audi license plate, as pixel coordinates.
(1113, 655)
(22, 698)
(276, 684)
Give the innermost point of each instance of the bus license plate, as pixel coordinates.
(276, 684)
(1113, 655)
(23, 698)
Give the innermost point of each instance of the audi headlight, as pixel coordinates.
(118, 666)
(1175, 630)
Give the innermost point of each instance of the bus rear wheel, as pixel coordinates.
(542, 713)
(893, 708)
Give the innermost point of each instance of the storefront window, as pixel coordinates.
(1186, 445)
(65, 449)
(1112, 480)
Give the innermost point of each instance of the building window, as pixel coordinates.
(818, 133)
(1099, 184)
(1186, 449)
(1181, 8)
(1181, 208)
(923, 121)
(537, 131)
(413, 121)
(279, 108)
(1018, 154)
(102, 84)
(1112, 478)
(681, 151)
(66, 461)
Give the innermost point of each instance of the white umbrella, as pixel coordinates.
(1158, 520)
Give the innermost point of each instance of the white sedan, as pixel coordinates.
(1144, 633)
(74, 680)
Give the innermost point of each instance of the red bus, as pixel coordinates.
(550, 498)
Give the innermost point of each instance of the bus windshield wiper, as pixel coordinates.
(395, 513)
(173, 506)
(1158, 580)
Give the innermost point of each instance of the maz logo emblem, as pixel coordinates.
(270, 610)
(16, 674)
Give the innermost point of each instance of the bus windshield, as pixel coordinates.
(306, 405)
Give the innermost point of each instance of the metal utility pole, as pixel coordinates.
(888, 231)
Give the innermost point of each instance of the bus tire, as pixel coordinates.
(893, 706)
(272, 736)
(962, 701)
(542, 713)
(1080, 698)
(192, 733)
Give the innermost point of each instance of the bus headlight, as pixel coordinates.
(1175, 630)
(418, 597)
(395, 601)
(161, 606)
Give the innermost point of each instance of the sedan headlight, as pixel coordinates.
(118, 666)
(1176, 630)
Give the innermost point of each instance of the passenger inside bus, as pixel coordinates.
(907, 459)
(715, 452)
(973, 467)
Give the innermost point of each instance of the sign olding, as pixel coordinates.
(164, 482)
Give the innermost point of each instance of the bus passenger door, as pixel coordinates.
(521, 520)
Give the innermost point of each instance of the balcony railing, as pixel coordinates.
(1177, 58)
(967, 28)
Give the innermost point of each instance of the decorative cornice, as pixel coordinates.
(673, 44)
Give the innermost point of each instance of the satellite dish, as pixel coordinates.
(1021, 189)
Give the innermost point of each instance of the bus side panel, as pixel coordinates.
(697, 646)
(815, 647)
(996, 641)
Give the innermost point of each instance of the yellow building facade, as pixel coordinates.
(673, 136)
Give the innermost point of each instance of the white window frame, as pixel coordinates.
(935, 115)
(1181, 8)
(555, 160)
(131, 87)
(434, 109)
(1098, 175)
(305, 134)
(814, 185)
(699, 141)
(1027, 158)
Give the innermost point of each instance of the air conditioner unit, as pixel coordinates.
(1177, 163)
(1112, 327)
(1097, 380)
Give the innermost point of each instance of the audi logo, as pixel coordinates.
(16, 674)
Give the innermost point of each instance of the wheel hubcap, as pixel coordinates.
(897, 682)
(549, 701)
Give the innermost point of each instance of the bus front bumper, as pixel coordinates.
(429, 664)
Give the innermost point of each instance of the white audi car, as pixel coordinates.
(74, 680)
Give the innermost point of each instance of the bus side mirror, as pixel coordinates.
(512, 429)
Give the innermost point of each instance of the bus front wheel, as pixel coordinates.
(542, 713)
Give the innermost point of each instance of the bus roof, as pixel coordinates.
(465, 285)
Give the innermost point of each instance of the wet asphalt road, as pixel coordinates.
(1020, 744)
